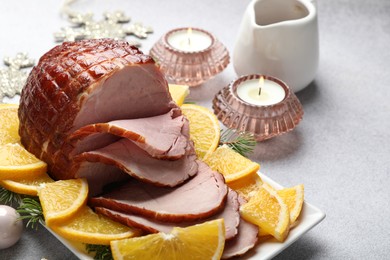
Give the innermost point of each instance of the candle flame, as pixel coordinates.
(261, 84)
(189, 33)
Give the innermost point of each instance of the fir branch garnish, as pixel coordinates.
(9, 198)
(102, 252)
(242, 142)
(30, 209)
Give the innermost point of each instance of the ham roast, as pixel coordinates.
(101, 109)
(86, 82)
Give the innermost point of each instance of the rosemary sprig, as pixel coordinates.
(242, 142)
(30, 209)
(9, 198)
(102, 252)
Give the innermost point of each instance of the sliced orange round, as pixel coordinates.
(204, 129)
(17, 163)
(88, 227)
(293, 197)
(203, 241)
(61, 200)
(179, 93)
(9, 124)
(26, 186)
(231, 164)
(267, 210)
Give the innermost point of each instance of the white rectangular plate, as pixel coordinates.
(310, 217)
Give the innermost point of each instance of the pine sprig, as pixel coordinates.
(9, 198)
(242, 142)
(102, 252)
(30, 209)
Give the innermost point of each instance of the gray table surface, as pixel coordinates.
(340, 150)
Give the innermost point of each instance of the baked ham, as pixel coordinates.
(245, 240)
(130, 158)
(86, 82)
(229, 213)
(200, 197)
(164, 136)
(101, 109)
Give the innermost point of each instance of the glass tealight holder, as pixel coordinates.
(263, 122)
(192, 61)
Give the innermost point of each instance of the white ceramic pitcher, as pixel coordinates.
(279, 38)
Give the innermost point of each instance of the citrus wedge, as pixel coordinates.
(204, 129)
(293, 197)
(9, 124)
(17, 163)
(88, 227)
(203, 241)
(179, 93)
(61, 200)
(231, 164)
(267, 210)
(26, 186)
(247, 186)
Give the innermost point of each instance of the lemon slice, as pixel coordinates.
(61, 200)
(88, 227)
(17, 163)
(204, 129)
(267, 210)
(9, 124)
(231, 164)
(179, 93)
(203, 241)
(26, 186)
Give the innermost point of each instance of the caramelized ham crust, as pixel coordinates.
(86, 82)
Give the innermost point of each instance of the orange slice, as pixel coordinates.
(26, 186)
(61, 200)
(293, 197)
(88, 227)
(17, 163)
(231, 164)
(203, 241)
(9, 124)
(267, 210)
(204, 129)
(179, 93)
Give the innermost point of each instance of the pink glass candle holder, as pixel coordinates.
(190, 56)
(278, 112)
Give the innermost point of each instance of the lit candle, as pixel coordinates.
(189, 40)
(262, 92)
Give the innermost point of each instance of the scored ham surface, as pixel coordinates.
(128, 157)
(86, 82)
(200, 197)
(230, 215)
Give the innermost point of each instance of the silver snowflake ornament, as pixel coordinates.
(112, 26)
(12, 78)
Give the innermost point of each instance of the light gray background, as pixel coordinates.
(340, 150)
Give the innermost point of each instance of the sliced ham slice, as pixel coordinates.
(200, 197)
(230, 215)
(245, 240)
(164, 136)
(128, 157)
